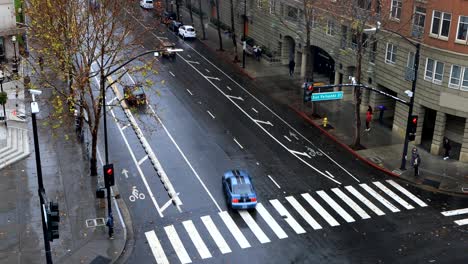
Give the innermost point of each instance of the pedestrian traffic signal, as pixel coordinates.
(308, 90)
(53, 220)
(109, 175)
(413, 124)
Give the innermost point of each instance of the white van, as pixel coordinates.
(146, 4)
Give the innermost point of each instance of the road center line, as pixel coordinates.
(235, 140)
(229, 88)
(255, 110)
(287, 138)
(277, 185)
(210, 114)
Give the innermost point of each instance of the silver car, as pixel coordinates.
(187, 32)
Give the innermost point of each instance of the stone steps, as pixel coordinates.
(17, 147)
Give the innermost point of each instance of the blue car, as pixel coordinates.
(239, 190)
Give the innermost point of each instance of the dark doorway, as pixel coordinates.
(428, 128)
(323, 63)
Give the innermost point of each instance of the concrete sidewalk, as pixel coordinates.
(382, 147)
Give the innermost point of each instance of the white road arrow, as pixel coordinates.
(263, 122)
(125, 172)
(213, 78)
(235, 97)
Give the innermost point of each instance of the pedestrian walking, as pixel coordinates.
(447, 148)
(368, 117)
(259, 53)
(292, 64)
(415, 161)
(382, 109)
(255, 51)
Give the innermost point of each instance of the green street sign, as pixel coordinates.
(327, 96)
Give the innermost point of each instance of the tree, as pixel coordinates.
(218, 26)
(201, 19)
(233, 31)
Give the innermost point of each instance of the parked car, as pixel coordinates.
(170, 15)
(134, 95)
(239, 190)
(175, 25)
(146, 4)
(186, 31)
(167, 46)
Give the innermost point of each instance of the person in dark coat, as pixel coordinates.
(292, 65)
(415, 161)
(447, 148)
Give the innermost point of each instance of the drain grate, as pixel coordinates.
(95, 222)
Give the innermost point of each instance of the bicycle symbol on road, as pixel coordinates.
(136, 195)
(312, 152)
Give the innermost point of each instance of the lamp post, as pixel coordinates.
(15, 62)
(41, 191)
(2, 77)
(103, 77)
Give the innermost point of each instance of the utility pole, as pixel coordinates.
(244, 43)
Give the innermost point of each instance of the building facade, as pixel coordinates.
(7, 30)
(441, 27)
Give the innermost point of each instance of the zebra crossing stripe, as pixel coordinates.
(462, 222)
(393, 195)
(215, 234)
(407, 193)
(254, 227)
(196, 239)
(351, 203)
(156, 247)
(235, 231)
(455, 212)
(364, 200)
(271, 221)
(317, 207)
(377, 196)
(177, 244)
(307, 217)
(287, 216)
(335, 206)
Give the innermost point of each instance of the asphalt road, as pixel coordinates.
(318, 203)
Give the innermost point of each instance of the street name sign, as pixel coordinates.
(327, 96)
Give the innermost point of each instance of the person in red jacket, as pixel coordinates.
(368, 117)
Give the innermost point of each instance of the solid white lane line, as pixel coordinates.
(287, 138)
(177, 244)
(254, 227)
(186, 160)
(335, 206)
(275, 227)
(215, 234)
(240, 146)
(329, 174)
(255, 110)
(407, 193)
(393, 195)
(287, 216)
(235, 231)
(212, 116)
(455, 212)
(307, 217)
(377, 196)
(317, 207)
(172, 74)
(337, 164)
(229, 88)
(364, 200)
(156, 247)
(351, 203)
(462, 222)
(277, 185)
(142, 160)
(196, 239)
(189, 91)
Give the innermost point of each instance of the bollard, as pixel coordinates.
(325, 122)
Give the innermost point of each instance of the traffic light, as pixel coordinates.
(413, 124)
(308, 90)
(53, 220)
(109, 175)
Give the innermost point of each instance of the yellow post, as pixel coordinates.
(325, 121)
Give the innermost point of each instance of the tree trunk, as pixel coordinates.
(201, 19)
(190, 11)
(93, 161)
(357, 94)
(233, 32)
(219, 26)
(177, 10)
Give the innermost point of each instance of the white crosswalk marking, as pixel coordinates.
(307, 217)
(456, 212)
(196, 239)
(254, 227)
(407, 193)
(177, 244)
(271, 221)
(364, 200)
(215, 234)
(287, 216)
(377, 196)
(317, 207)
(235, 231)
(462, 222)
(156, 247)
(393, 195)
(335, 206)
(351, 203)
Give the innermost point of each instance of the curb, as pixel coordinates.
(354, 153)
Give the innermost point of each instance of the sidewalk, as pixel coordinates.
(383, 147)
(66, 178)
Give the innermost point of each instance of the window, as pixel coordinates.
(462, 29)
(391, 53)
(409, 74)
(364, 4)
(260, 4)
(434, 71)
(330, 27)
(344, 36)
(456, 80)
(272, 6)
(292, 13)
(419, 19)
(395, 11)
(440, 24)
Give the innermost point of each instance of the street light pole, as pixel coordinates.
(244, 43)
(411, 104)
(15, 62)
